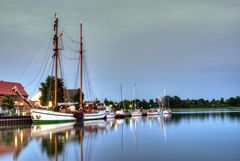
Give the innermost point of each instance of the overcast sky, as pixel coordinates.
(189, 47)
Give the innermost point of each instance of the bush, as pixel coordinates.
(7, 103)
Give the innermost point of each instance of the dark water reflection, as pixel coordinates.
(180, 136)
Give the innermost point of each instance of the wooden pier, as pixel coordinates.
(15, 120)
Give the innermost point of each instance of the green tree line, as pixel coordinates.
(175, 102)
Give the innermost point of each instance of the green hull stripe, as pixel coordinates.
(51, 121)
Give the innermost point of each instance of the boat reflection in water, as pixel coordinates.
(50, 141)
(66, 141)
(58, 139)
(161, 137)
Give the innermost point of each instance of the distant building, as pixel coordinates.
(6, 90)
(69, 94)
(35, 99)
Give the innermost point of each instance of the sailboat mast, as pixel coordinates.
(164, 98)
(122, 97)
(81, 67)
(135, 103)
(56, 60)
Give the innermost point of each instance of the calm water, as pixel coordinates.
(202, 136)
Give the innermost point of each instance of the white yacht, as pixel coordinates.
(153, 111)
(136, 113)
(110, 113)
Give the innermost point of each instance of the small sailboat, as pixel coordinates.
(101, 114)
(167, 111)
(120, 113)
(153, 111)
(93, 112)
(165, 105)
(135, 112)
(54, 115)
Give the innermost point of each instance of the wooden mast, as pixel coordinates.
(81, 76)
(56, 60)
(81, 67)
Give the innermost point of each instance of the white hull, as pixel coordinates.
(166, 112)
(94, 116)
(120, 113)
(153, 112)
(111, 114)
(136, 113)
(47, 115)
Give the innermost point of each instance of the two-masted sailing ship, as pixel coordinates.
(91, 111)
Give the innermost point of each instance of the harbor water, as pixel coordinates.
(181, 136)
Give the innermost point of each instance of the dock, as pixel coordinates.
(15, 120)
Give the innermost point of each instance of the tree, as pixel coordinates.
(201, 102)
(127, 104)
(174, 101)
(145, 104)
(213, 102)
(7, 102)
(232, 101)
(47, 90)
(76, 97)
(153, 104)
(139, 103)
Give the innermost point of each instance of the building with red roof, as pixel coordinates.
(6, 90)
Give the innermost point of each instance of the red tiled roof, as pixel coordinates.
(6, 88)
